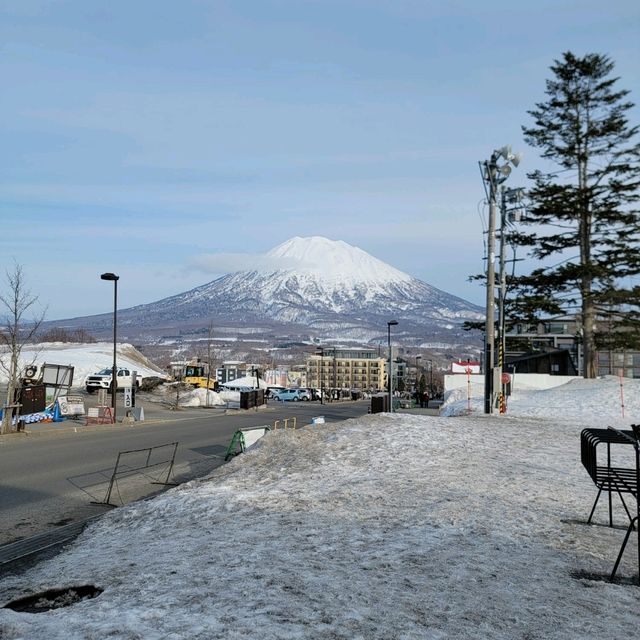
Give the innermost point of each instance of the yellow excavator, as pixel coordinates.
(197, 374)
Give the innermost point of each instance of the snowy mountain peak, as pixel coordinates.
(334, 260)
(329, 287)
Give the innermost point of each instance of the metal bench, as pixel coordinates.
(610, 478)
(605, 476)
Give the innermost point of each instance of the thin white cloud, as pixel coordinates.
(223, 263)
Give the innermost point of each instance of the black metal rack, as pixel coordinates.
(611, 478)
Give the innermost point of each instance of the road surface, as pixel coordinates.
(50, 479)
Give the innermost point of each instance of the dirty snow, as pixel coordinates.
(386, 526)
(190, 398)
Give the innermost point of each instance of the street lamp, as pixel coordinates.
(391, 323)
(493, 175)
(114, 379)
(417, 371)
(320, 350)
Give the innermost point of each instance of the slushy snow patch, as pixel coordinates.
(386, 526)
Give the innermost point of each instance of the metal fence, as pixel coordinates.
(140, 460)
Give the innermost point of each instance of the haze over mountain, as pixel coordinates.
(305, 286)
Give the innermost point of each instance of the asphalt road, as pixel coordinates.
(51, 477)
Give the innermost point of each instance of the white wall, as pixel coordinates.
(522, 380)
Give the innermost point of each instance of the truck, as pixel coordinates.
(102, 379)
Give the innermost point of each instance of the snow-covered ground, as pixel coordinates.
(86, 358)
(609, 397)
(386, 526)
(92, 357)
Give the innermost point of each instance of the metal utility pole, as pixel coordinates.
(391, 323)
(507, 216)
(489, 335)
(210, 329)
(503, 290)
(493, 175)
(505, 193)
(320, 352)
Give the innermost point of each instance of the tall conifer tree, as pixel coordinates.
(586, 210)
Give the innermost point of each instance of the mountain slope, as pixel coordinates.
(314, 282)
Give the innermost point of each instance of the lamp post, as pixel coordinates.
(335, 380)
(417, 371)
(493, 175)
(430, 378)
(114, 373)
(391, 323)
(321, 352)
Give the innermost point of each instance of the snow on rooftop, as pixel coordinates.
(386, 526)
(245, 383)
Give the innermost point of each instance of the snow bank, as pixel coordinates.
(194, 398)
(592, 401)
(86, 358)
(388, 526)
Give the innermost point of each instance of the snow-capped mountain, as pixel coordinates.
(321, 285)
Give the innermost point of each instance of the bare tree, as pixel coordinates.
(15, 333)
(176, 393)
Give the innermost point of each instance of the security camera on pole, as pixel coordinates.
(493, 175)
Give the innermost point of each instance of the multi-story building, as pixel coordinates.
(563, 333)
(361, 369)
(231, 370)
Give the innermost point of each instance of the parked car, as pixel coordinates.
(291, 394)
(102, 379)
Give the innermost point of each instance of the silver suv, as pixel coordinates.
(292, 394)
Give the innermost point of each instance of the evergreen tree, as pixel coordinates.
(586, 210)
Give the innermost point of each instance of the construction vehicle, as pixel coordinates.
(197, 373)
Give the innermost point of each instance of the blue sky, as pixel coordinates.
(140, 137)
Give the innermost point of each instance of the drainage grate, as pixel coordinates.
(10, 553)
(54, 598)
